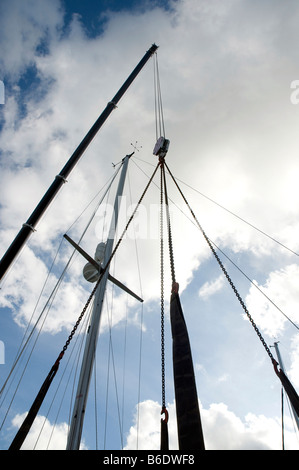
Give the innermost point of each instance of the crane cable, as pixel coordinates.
(159, 117)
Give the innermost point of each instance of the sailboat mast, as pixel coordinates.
(60, 179)
(75, 432)
(282, 368)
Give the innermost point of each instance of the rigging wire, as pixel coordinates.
(231, 261)
(77, 359)
(266, 347)
(80, 340)
(71, 335)
(241, 218)
(124, 370)
(225, 209)
(139, 373)
(107, 383)
(256, 286)
(111, 359)
(46, 307)
(282, 377)
(75, 366)
(21, 349)
(67, 343)
(141, 321)
(57, 285)
(111, 350)
(109, 185)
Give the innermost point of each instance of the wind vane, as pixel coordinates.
(135, 146)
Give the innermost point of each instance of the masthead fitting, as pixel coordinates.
(161, 147)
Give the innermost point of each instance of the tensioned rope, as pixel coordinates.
(78, 342)
(241, 218)
(283, 378)
(25, 427)
(227, 210)
(223, 269)
(159, 118)
(255, 285)
(226, 256)
(25, 342)
(141, 327)
(111, 360)
(108, 184)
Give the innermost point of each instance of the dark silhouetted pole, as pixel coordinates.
(29, 226)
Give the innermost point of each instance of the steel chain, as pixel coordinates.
(237, 295)
(80, 318)
(105, 268)
(168, 226)
(162, 295)
(225, 273)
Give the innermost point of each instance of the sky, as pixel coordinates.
(229, 78)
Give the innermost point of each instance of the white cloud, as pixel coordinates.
(23, 28)
(52, 437)
(146, 434)
(210, 288)
(207, 117)
(28, 296)
(282, 288)
(223, 429)
(226, 70)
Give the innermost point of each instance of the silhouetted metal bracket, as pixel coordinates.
(100, 269)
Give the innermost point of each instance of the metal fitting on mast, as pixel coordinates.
(161, 147)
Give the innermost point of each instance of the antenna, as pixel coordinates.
(135, 146)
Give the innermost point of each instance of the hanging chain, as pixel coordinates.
(80, 318)
(163, 186)
(170, 244)
(162, 296)
(104, 269)
(226, 274)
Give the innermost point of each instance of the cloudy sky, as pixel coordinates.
(228, 72)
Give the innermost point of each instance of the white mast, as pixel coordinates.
(74, 437)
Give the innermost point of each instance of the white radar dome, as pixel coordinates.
(90, 273)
